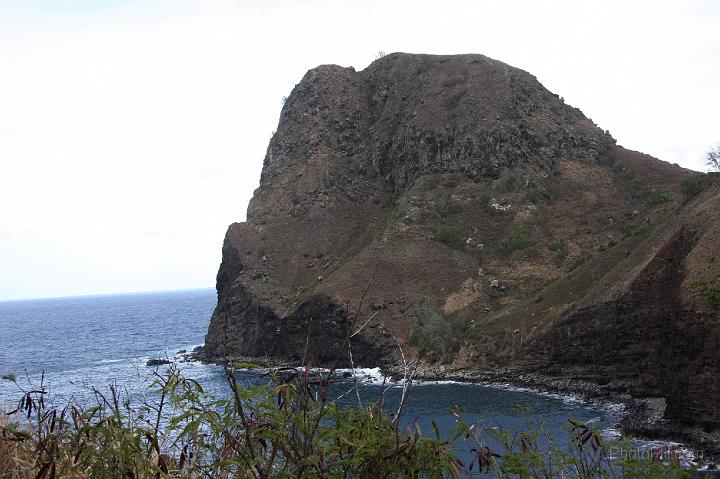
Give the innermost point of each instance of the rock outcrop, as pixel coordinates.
(461, 184)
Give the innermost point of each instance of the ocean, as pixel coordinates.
(74, 344)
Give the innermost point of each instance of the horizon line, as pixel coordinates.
(119, 293)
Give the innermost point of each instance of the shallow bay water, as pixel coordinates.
(89, 341)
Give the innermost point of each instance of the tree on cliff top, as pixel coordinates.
(713, 158)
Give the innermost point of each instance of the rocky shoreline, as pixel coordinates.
(639, 417)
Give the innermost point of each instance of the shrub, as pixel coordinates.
(507, 181)
(430, 183)
(452, 180)
(400, 210)
(446, 206)
(533, 453)
(288, 428)
(291, 427)
(486, 205)
(537, 195)
(633, 229)
(448, 234)
(484, 201)
(653, 197)
(712, 159)
(607, 245)
(521, 238)
(711, 290)
(560, 248)
(433, 335)
(298, 212)
(694, 184)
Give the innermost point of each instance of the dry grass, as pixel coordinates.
(17, 458)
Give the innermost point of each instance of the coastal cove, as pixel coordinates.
(120, 333)
(349, 240)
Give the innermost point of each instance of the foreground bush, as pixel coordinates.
(435, 338)
(287, 429)
(290, 428)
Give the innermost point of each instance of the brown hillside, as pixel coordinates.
(542, 244)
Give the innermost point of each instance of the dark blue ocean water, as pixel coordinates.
(98, 340)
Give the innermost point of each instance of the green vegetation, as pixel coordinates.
(286, 429)
(430, 182)
(292, 427)
(452, 180)
(486, 205)
(632, 228)
(484, 201)
(448, 234)
(435, 338)
(443, 208)
(560, 248)
(608, 244)
(298, 212)
(694, 184)
(711, 290)
(653, 197)
(536, 195)
(400, 210)
(244, 365)
(446, 206)
(521, 238)
(507, 181)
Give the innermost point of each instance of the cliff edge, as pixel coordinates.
(455, 206)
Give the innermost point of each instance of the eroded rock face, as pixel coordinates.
(318, 331)
(645, 342)
(434, 176)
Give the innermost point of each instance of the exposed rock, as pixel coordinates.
(157, 362)
(402, 178)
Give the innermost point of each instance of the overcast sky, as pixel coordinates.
(132, 133)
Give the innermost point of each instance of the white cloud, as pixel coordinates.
(132, 134)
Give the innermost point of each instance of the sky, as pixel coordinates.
(132, 133)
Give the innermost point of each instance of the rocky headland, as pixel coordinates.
(454, 208)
